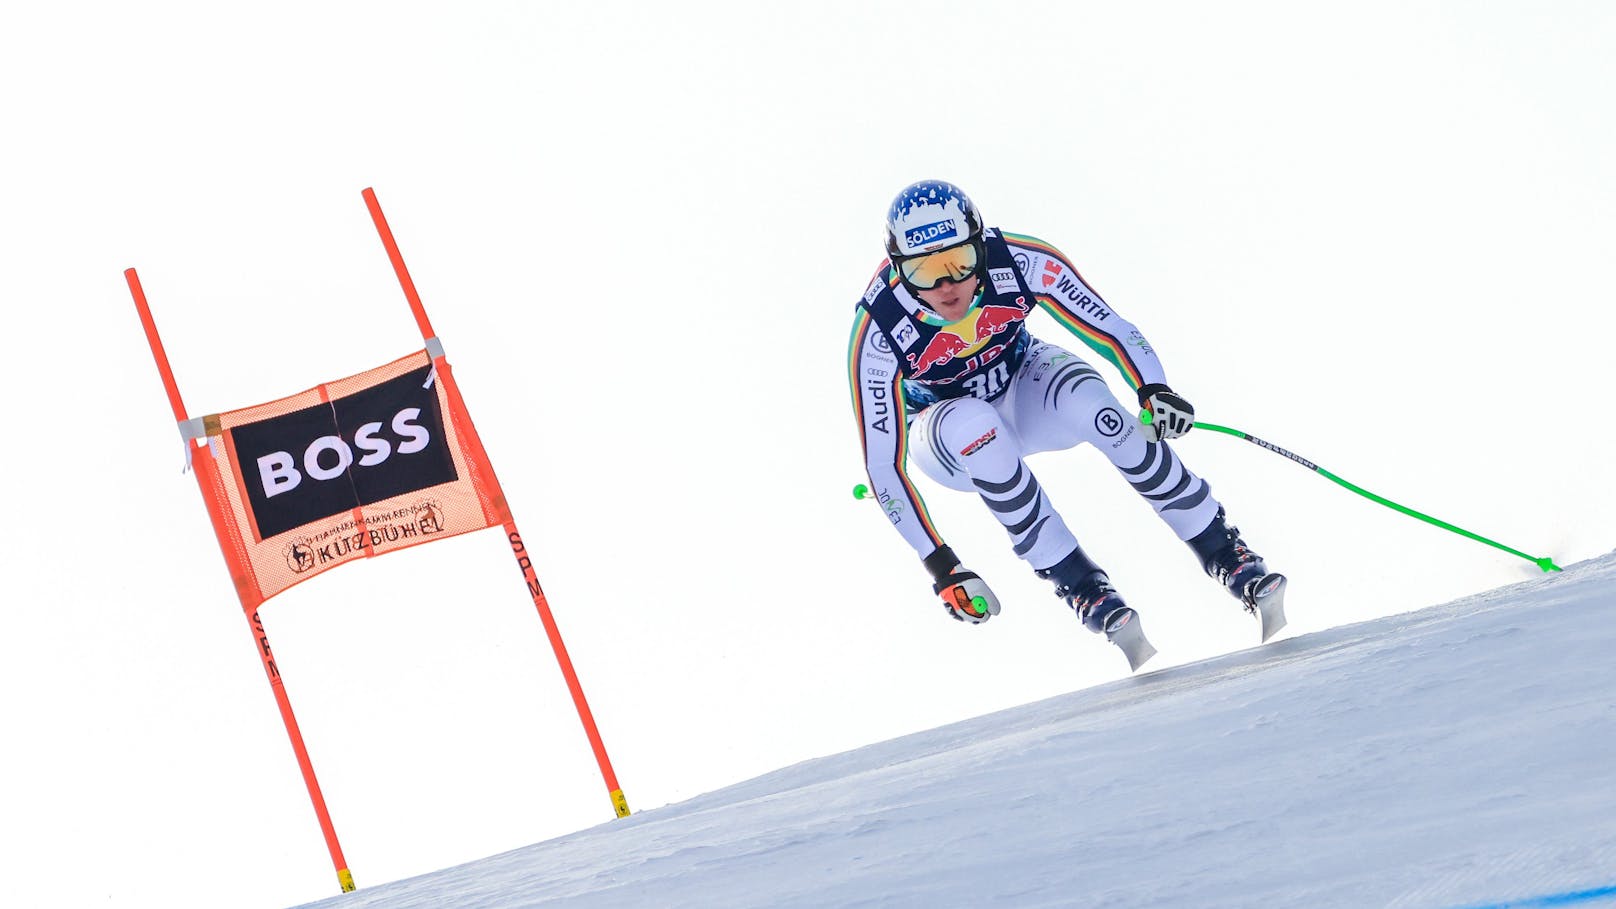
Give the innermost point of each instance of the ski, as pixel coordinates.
(1122, 628)
(1267, 600)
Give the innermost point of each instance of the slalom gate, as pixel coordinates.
(408, 468)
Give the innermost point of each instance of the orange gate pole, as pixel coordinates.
(205, 475)
(434, 348)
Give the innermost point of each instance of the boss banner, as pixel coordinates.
(347, 470)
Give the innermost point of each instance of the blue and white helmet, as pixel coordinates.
(928, 216)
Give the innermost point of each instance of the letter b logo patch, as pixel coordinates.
(1108, 423)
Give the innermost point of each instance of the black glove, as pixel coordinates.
(965, 595)
(1170, 416)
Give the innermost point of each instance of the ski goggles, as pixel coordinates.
(955, 263)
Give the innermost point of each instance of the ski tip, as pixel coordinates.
(1122, 628)
(1271, 628)
(1140, 656)
(1270, 604)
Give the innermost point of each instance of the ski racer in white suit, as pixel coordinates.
(945, 374)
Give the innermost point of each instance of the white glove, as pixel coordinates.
(968, 598)
(964, 594)
(1166, 416)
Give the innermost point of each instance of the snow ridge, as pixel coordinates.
(1460, 755)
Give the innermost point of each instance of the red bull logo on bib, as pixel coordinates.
(966, 337)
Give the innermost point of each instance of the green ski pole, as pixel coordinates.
(1545, 563)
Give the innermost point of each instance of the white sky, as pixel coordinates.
(1380, 239)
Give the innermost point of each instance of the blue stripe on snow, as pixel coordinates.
(1556, 899)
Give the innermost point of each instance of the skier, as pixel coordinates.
(945, 373)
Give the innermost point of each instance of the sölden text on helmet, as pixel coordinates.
(928, 216)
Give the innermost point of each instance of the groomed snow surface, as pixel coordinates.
(1459, 756)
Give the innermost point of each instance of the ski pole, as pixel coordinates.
(1545, 563)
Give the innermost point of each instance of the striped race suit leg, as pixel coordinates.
(970, 445)
(1057, 401)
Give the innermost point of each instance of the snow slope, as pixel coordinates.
(1462, 755)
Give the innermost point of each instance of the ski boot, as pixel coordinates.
(1227, 558)
(1088, 591)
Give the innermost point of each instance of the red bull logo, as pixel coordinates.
(993, 319)
(967, 336)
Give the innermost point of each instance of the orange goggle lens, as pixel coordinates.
(953, 264)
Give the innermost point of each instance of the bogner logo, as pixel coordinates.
(931, 233)
(384, 441)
